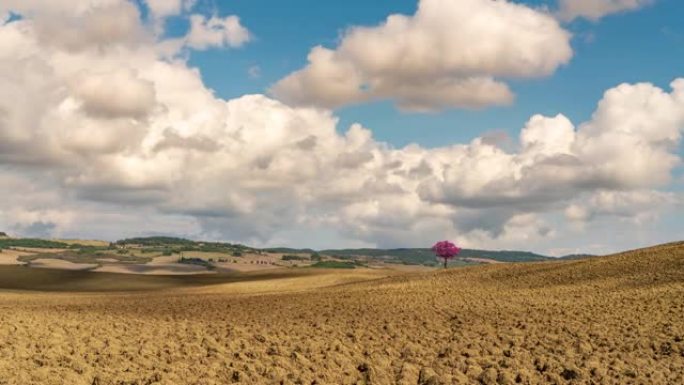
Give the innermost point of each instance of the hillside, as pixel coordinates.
(99, 255)
(606, 320)
(418, 256)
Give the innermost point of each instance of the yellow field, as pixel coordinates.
(9, 256)
(247, 262)
(612, 320)
(84, 242)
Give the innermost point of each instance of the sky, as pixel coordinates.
(552, 126)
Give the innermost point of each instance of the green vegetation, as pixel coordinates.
(79, 256)
(338, 265)
(156, 241)
(172, 245)
(577, 256)
(196, 261)
(287, 250)
(215, 248)
(294, 258)
(31, 243)
(416, 256)
(142, 249)
(460, 263)
(427, 257)
(93, 250)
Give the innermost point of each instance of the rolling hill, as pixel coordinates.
(418, 256)
(605, 320)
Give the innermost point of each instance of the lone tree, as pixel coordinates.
(446, 250)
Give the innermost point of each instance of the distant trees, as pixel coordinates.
(32, 243)
(156, 241)
(196, 261)
(337, 265)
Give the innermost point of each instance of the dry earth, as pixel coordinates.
(9, 257)
(53, 263)
(611, 320)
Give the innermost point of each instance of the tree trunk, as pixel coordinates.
(445, 263)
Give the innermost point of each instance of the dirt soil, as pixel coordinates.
(9, 257)
(610, 320)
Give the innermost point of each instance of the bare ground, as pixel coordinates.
(9, 257)
(612, 320)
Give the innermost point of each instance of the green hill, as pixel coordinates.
(31, 243)
(416, 256)
(156, 241)
(426, 256)
(411, 256)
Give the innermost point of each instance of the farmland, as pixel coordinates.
(608, 320)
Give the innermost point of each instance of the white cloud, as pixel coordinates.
(117, 94)
(548, 136)
(59, 8)
(596, 9)
(160, 10)
(115, 127)
(449, 54)
(630, 143)
(96, 26)
(216, 32)
(165, 8)
(638, 205)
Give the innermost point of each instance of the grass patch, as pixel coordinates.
(294, 258)
(81, 257)
(31, 243)
(337, 265)
(196, 262)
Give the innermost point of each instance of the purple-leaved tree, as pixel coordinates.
(446, 250)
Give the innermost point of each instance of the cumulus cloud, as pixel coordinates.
(596, 9)
(204, 32)
(216, 32)
(87, 25)
(629, 143)
(638, 205)
(115, 95)
(166, 8)
(449, 54)
(120, 139)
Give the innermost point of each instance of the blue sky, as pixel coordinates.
(643, 46)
